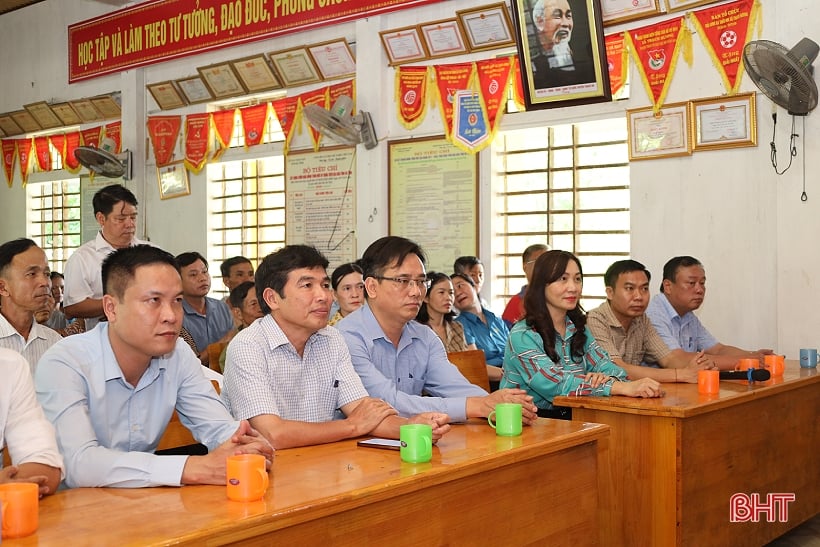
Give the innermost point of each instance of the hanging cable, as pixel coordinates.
(331, 247)
(804, 196)
(792, 145)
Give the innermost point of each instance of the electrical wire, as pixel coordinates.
(792, 145)
(331, 247)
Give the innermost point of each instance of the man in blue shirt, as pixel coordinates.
(110, 392)
(399, 359)
(682, 292)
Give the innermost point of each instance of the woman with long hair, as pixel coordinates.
(551, 352)
(437, 313)
(348, 290)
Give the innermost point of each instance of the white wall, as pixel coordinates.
(727, 208)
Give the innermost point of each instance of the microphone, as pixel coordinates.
(752, 374)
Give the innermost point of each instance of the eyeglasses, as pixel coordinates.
(405, 283)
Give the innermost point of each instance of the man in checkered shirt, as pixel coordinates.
(291, 375)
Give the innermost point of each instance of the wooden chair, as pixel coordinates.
(214, 353)
(176, 434)
(472, 365)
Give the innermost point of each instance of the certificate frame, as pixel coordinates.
(86, 110)
(221, 80)
(487, 27)
(256, 74)
(66, 113)
(43, 115)
(680, 5)
(614, 12)
(295, 67)
(662, 134)
(444, 38)
(574, 70)
(334, 59)
(724, 122)
(166, 95)
(9, 126)
(26, 121)
(403, 45)
(172, 180)
(194, 90)
(107, 106)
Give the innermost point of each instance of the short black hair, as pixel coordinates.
(465, 263)
(229, 263)
(670, 269)
(273, 272)
(10, 249)
(55, 275)
(106, 198)
(385, 251)
(238, 294)
(186, 259)
(119, 268)
(622, 267)
(534, 248)
(340, 272)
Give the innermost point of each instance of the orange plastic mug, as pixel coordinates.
(708, 381)
(746, 364)
(775, 364)
(247, 478)
(20, 503)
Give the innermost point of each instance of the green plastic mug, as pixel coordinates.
(507, 421)
(416, 443)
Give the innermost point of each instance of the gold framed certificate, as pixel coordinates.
(66, 113)
(487, 27)
(26, 121)
(43, 114)
(166, 95)
(659, 134)
(403, 45)
(9, 126)
(107, 106)
(173, 180)
(221, 80)
(444, 38)
(614, 12)
(334, 59)
(295, 66)
(86, 110)
(680, 5)
(194, 90)
(724, 122)
(256, 74)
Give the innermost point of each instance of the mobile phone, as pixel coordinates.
(386, 444)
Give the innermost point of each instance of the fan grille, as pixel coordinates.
(780, 77)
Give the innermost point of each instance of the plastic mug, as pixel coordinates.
(746, 364)
(20, 502)
(507, 419)
(775, 364)
(247, 478)
(416, 443)
(708, 381)
(808, 358)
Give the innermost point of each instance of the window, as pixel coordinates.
(247, 203)
(54, 219)
(567, 186)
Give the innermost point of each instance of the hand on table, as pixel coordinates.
(11, 474)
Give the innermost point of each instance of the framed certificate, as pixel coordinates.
(295, 67)
(659, 134)
(194, 90)
(107, 106)
(403, 45)
(614, 12)
(256, 74)
(443, 38)
(86, 110)
(334, 59)
(166, 95)
(66, 113)
(173, 180)
(26, 121)
(724, 122)
(680, 5)
(487, 27)
(45, 117)
(221, 80)
(9, 126)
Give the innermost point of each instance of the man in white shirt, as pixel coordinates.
(25, 287)
(115, 208)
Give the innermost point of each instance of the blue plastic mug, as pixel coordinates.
(808, 358)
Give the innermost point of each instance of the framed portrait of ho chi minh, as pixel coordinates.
(562, 53)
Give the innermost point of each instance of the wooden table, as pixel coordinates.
(479, 489)
(676, 461)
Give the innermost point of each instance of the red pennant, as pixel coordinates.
(317, 97)
(449, 79)
(493, 83)
(344, 88)
(58, 142)
(24, 152)
(72, 141)
(411, 94)
(113, 131)
(286, 111)
(197, 141)
(223, 125)
(164, 132)
(655, 50)
(254, 120)
(91, 136)
(616, 61)
(43, 153)
(518, 85)
(9, 153)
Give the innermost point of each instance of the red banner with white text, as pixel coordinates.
(9, 153)
(449, 79)
(197, 140)
(616, 59)
(24, 152)
(159, 30)
(164, 131)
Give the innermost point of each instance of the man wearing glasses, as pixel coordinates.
(397, 358)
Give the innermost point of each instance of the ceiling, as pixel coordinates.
(11, 5)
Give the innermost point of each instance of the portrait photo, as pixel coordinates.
(561, 49)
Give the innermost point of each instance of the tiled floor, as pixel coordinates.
(805, 535)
